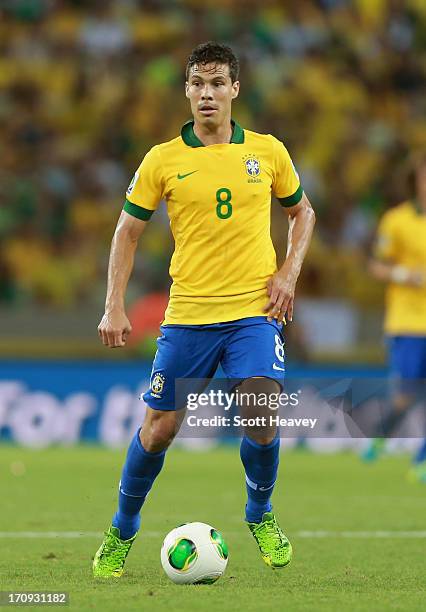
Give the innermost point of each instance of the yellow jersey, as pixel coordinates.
(219, 204)
(402, 239)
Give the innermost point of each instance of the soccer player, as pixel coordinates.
(228, 299)
(400, 261)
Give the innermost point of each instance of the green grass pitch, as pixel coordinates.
(69, 490)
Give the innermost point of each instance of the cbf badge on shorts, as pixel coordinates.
(157, 384)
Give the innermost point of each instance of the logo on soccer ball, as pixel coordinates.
(194, 553)
(158, 383)
(132, 183)
(252, 165)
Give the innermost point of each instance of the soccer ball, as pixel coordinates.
(194, 553)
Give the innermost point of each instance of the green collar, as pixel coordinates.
(190, 139)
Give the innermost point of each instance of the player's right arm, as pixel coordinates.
(115, 326)
(142, 197)
(384, 265)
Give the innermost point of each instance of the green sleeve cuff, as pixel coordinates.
(293, 199)
(137, 211)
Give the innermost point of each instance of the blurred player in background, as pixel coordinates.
(228, 300)
(400, 261)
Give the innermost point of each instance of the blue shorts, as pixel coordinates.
(407, 360)
(244, 348)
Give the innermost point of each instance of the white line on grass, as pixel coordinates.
(50, 534)
(155, 534)
(361, 534)
(61, 534)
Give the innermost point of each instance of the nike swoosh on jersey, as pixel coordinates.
(182, 176)
(274, 365)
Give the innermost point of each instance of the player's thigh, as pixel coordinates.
(185, 360)
(407, 361)
(254, 363)
(255, 350)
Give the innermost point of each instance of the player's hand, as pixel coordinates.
(280, 288)
(416, 278)
(406, 276)
(114, 328)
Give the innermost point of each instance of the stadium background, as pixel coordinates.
(87, 88)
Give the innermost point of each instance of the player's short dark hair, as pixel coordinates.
(214, 53)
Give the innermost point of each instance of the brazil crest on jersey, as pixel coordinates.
(219, 203)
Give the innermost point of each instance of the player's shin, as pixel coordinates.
(139, 472)
(260, 462)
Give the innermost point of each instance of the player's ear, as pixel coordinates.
(235, 89)
(187, 89)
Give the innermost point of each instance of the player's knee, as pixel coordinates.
(257, 404)
(159, 430)
(259, 392)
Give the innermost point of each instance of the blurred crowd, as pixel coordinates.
(86, 88)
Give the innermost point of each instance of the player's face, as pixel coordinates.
(210, 91)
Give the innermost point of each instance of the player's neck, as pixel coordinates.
(221, 134)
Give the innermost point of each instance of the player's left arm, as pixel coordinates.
(282, 285)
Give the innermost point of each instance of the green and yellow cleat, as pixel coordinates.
(111, 556)
(274, 546)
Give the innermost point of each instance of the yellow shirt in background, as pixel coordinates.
(402, 239)
(219, 204)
